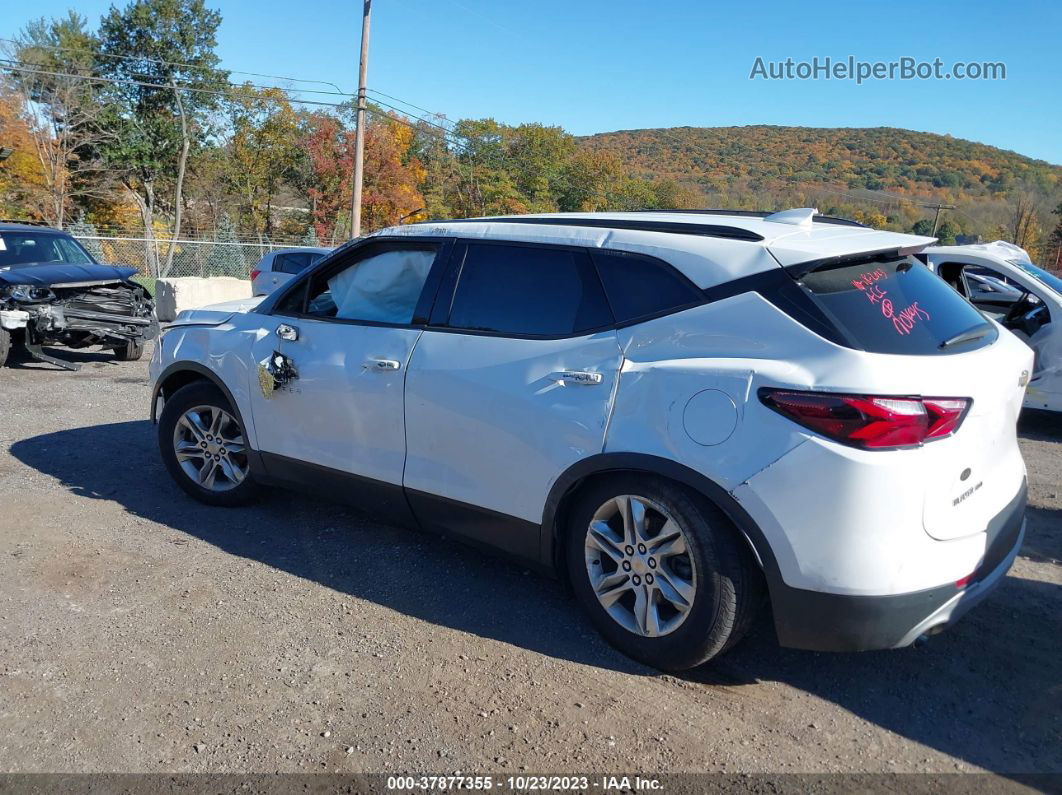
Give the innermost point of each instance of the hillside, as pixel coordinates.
(721, 160)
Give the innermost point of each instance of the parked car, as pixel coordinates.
(52, 292)
(278, 267)
(677, 412)
(1023, 297)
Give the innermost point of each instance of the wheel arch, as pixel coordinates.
(577, 477)
(180, 374)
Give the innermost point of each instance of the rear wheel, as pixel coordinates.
(131, 351)
(203, 446)
(5, 345)
(663, 574)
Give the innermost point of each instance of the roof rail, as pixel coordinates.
(635, 224)
(818, 219)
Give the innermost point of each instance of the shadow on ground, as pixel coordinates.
(20, 358)
(1041, 426)
(987, 692)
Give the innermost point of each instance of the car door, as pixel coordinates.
(333, 411)
(510, 384)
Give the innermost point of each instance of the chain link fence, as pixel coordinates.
(190, 257)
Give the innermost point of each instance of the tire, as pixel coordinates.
(130, 352)
(204, 401)
(728, 585)
(5, 345)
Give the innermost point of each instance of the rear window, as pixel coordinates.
(897, 306)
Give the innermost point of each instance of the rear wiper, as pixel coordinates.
(969, 335)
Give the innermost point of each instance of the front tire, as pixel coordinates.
(662, 573)
(204, 447)
(131, 351)
(5, 345)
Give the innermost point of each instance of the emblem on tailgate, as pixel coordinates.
(966, 494)
(1023, 379)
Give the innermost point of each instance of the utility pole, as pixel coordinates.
(936, 218)
(359, 136)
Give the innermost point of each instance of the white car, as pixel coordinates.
(677, 412)
(279, 267)
(1001, 280)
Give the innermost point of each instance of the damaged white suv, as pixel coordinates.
(678, 412)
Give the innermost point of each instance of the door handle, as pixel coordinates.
(286, 332)
(579, 377)
(382, 364)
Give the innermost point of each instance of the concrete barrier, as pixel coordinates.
(191, 292)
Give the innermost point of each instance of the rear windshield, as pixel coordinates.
(897, 306)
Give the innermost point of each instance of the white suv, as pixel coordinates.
(677, 412)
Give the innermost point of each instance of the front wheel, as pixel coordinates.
(5, 345)
(203, 446)
(663, 574)
(130, 351)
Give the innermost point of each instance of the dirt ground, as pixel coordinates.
(141, 631)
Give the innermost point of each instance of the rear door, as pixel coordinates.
(512, 383)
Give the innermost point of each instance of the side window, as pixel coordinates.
(295, 262)
(528, 290)
(380, 285)
(639, 286)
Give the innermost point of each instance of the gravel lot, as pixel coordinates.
(141, 631)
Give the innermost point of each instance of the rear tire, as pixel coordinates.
(683, 601)
(204, 447)
(5, 345)
(130, 351)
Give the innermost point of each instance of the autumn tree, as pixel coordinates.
(262, 154)
(392, 174)
(66, 126)
(23, 183)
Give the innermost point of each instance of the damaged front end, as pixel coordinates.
(116, 314)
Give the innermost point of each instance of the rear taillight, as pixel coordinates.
(868, 421)
(254, 274)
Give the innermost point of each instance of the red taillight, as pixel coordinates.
(868, 421)
(254, 274)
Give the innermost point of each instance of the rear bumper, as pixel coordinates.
(838, 622)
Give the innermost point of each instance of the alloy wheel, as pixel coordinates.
(639, 564)
(210, 448)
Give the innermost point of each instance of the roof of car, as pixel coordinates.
(709, 247)
(28, 226)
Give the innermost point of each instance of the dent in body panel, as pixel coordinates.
(727, 346)
(226, 351)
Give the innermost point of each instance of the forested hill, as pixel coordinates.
(721, 159)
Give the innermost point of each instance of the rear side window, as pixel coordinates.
(897, 306)
(528, 290)
(639, 286)
(295, 262)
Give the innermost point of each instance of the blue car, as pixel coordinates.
(52, 292)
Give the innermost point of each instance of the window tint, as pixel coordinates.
(380, 286)
(295, 262)
(897, 306)
(638, 286)
(528, 290)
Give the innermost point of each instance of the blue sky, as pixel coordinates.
(601, 65)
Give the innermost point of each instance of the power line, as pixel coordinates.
(201, 67)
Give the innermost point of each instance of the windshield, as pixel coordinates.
(1038, 273)
(40, 248)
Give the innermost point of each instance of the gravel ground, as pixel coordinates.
(141, 631)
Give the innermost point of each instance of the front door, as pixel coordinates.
(343, 339)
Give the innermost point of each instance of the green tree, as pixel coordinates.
(923, 226)
(161, 55)
(946, 232)
(87, 235)
(310, 238)
(226, 259)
